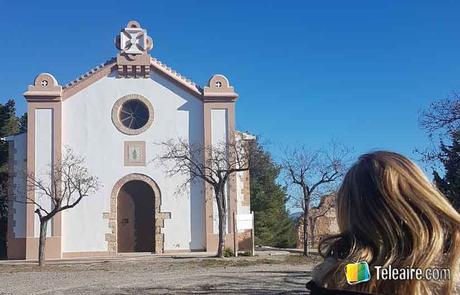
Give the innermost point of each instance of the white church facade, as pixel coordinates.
(113, 116)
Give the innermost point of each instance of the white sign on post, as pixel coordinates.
(244, 221)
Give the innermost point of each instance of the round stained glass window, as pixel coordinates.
(134, 114)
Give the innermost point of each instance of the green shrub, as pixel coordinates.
(228, 252)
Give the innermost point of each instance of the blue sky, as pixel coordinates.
(306, 72)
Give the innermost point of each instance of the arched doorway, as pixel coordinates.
(112, 237)
(136, 217)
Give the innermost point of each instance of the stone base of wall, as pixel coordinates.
(87, 254)
(244, 241)
(27, 248)
(16, 248)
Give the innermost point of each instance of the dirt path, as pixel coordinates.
(161, 275)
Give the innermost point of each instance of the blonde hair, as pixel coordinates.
(389, 213)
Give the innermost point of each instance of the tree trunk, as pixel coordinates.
(305, 233)
(306, 199)
(42, 242)
(312, 225)
(222, 222)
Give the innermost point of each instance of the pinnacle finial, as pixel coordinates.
(133, 39)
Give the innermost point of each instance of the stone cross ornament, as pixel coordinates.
(133, 60)
(134, 40)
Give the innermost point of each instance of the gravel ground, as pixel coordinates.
(161, 275)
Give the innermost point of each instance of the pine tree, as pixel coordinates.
(23, 123)
(273, 227)
(450, 183)
(9, 125)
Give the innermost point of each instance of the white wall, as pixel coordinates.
(43, 160)
(219, 119)
(19, 182)
(89, 131)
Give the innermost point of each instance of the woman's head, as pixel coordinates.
(389, 213)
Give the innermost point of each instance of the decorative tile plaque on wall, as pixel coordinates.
(134, 153)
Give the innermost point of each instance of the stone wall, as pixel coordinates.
(323, 219)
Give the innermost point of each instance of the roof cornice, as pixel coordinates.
(88, 78)
(176, 76)
(134, 62)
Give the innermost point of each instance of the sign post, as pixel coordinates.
(235, 236)
(244, 222)
(253, 251)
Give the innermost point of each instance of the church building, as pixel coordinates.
(114, 115)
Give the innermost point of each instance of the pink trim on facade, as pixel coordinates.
(176, 77)
(88, 78)
(47, 93)
(44, 94)
(139, 66)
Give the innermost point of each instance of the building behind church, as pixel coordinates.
(112, 116)
(322, 222)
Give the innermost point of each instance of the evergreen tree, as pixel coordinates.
(273, 227)
(23, 123)
(450, 183)
(9, 125)
(442, 120)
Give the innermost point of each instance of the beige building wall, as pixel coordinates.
(325, 223)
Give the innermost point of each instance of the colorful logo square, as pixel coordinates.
(357, 272)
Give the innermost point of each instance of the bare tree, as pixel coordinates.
(65, 184)
(314, 173)
(442, 115)
(213, 164)
(441, 121)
